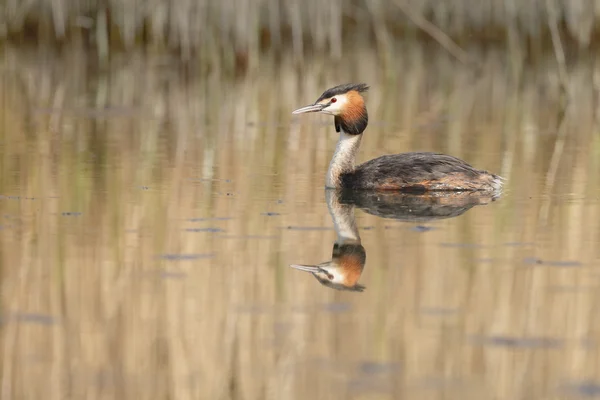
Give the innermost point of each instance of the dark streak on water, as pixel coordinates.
(538, 261)
(213, 230)
(587, 388)
(376, 368)
(209, 219)
(71, 214)
(417, 228)
(17, 198)
(41, 319)
(334, 308)
(420, 228)
(439, 383)
(518, 342)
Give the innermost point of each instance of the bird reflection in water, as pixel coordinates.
(349, 256)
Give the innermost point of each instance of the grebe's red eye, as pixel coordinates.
(333, 99)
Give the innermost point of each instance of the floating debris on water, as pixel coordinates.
(71, 214)
(270, 214)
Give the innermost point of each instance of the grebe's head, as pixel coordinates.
(344, 269)
(346, 104)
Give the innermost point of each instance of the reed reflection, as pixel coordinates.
(349, 257)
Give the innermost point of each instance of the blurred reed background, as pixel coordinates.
(231, 32)
(117, 284)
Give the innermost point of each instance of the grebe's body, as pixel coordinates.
(418, 172)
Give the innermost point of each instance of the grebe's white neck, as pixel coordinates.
(344, 158)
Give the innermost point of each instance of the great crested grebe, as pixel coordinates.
(415, 172)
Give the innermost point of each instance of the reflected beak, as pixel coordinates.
(311, 108)
(307, 268)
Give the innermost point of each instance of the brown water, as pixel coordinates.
(150, 215)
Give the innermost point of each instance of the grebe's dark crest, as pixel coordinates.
(418, 171)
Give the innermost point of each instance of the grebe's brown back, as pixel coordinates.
(418, 171)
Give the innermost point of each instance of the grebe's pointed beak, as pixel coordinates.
(311, 108)
(307, 268)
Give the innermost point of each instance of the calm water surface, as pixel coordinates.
(149, 218)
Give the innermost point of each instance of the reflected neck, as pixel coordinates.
(342, 215)
(344, 158)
